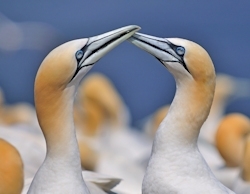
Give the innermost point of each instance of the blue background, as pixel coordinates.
(222, 27)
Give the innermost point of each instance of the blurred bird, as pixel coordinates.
(230, 140)
(176, 165)
(98, 109)
(11, 169)
(102, 123)
(31, 146)
(55, 87)
(99, 105)
(242, 184)
(230, 136)
(20, 113)
(153, 121)
(19, 126)
(25, 35)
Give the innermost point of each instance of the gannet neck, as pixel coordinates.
(54, 110)
(11, 169)
(186, 115)
(54, 106)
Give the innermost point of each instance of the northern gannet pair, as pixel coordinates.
(176, 165)
(56, 84)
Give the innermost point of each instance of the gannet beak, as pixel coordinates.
(100, 45)
(161, 48)
(97, 46)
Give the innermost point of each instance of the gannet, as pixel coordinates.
(100, 104)
(11, 169)
(230, 140)
(98, 110)
(242, 184)
(176, 165)
(19, 113)
(230, 136)
(101, 119)
(153, 121)
(55, 87)
(31, 146)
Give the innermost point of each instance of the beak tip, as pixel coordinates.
(134, 28)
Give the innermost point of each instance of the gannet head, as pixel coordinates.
(183, 58)
(69, 62)
(63, 68)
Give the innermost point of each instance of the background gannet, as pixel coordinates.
(55, 87)
(176, 165)
(31, 146)
(230, 142)
(20, 113)
(242, 184)
(104, 135)
(11, 169)
(230, 138)
(153, 121)
(100, 105)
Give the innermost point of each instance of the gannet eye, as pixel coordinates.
(180, 50)
(79, 54)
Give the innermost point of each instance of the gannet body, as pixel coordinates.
(96, 182)
(55, 87)
(11, 169)
(176, 164)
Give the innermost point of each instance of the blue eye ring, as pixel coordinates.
(180, 50)
(79, 54)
